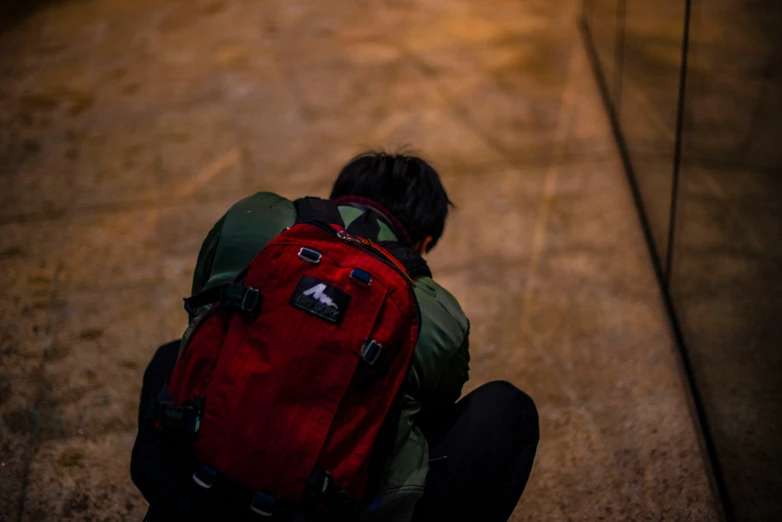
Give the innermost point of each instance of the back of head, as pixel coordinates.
(406, 186)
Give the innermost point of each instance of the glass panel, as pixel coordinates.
(733, 103)
(602, 16)
(648, 104)
(726, 280)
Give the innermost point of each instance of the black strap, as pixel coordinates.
(410, 259)
(317, 209)
(244, 298)
(184, 420)
(365, 226)
(239, 502)
(248, 505)
(379, 215)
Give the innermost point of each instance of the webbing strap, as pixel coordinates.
(376, 214)
(365, 226)
(321, 488)
(244, 298)
(387, 217)
(317, 209)
(184, 419)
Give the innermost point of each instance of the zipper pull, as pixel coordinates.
(344, 236)
(366, 243)
(347, 238)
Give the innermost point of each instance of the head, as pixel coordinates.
(406, 186)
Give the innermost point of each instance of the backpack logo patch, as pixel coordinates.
(318, 292)
(320, 299)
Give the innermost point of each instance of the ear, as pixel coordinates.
(422, 245)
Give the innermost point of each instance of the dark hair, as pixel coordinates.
(406, 186)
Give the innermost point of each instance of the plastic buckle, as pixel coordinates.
(263, 504)
(326, 483)
(192, 419)
(318, 483)
(370, 351)
(361, 277)
(204, 476)
(250, 300)
(310, 255)
(244, 298)
(169, 415)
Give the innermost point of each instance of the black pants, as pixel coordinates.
(488, 440)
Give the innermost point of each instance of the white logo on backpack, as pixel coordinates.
(316, 292)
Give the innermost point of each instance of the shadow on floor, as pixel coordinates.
(13, 12)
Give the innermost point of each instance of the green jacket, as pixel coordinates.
(440, 364)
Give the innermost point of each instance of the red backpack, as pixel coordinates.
(287, 382)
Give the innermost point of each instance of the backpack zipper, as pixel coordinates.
(367, 243)
(367, 246)
(363, 244)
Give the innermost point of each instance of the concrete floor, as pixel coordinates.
(128, 128)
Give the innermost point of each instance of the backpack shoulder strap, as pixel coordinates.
(366, 225)
(325, 210)
(317, 209)
(410, 259)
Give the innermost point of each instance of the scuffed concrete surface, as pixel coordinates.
(128, 128)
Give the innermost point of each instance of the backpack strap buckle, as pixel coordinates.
(233, 295)
(185, 419)
(361, 277)
(251, 300)
(370, 351)
(310, 255)
(318, 483)
(263, 505)
(205, 476)
(244, 298)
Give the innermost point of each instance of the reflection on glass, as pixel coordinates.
(733, 104)
(726, 280)
(726, 276)
(651, 64)
(602, 17)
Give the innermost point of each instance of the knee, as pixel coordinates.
(518, 407)
(503, 392)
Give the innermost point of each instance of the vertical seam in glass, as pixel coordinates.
(706, 433)
(677, 149)
(619, 56)
(713, 468)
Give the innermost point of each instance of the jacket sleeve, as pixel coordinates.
(239, 235)
(441, 361)
(455, 374)
(206, 256)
